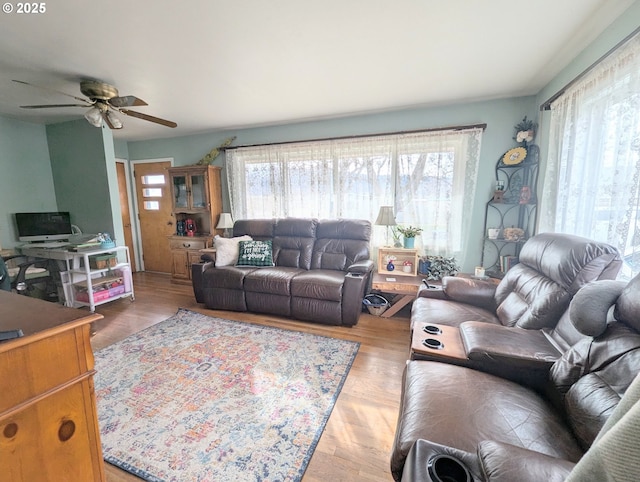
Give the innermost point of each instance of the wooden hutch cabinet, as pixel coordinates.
(196, 202)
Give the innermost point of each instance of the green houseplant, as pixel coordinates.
(409, 233)
(439, 266)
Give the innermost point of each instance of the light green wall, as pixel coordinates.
(499, 115)
(121, 149)
(26, 183)
(84, 175)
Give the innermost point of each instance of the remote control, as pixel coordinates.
(10, 334)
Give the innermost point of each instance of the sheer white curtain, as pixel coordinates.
(428, 177)
(592, 179)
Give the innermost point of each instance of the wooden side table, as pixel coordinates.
(404, 289)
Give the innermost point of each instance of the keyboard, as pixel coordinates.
(49, 245)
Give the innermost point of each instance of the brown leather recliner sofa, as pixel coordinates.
(502, 431)
(322, 270)
(520, 327)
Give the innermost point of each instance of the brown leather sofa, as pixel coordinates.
(532, 295)
(520, 327)
(503, 431)
(322, 270)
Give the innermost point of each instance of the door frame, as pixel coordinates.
(133, 199)
(135, 233)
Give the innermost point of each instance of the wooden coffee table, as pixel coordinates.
(403, 288)
(451, 348)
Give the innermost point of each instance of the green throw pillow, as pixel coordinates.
(255, 253)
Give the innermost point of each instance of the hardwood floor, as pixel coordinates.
(356, 443)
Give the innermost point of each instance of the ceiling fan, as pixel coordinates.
(103, 101)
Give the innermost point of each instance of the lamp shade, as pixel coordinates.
(113, 120)
(94, 116)
(386, 216)
(225, 221)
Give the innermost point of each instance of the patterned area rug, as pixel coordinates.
(196, 398)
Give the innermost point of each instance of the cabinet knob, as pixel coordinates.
(66, 430)
(186, 245)
(10, 430)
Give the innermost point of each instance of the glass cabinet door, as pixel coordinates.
(198, 194)
(180, 198)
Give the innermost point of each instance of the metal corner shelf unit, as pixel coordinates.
(516, 209)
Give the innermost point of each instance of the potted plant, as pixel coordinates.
(440, 266)
(409, 233)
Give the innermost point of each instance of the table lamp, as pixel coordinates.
(386, 218)
(225, 222)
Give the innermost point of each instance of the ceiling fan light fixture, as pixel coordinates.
(113, 120)
(94, 117)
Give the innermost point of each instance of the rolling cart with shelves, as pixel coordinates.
(89, 286)
(80, 277)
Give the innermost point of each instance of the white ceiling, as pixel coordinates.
(213, 64)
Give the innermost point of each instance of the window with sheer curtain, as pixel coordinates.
(592, 180)
(428, 177)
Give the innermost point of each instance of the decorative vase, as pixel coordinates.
(424, 266)
(390, 266)
(409, 242)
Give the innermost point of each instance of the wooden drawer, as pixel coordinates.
(188, 243)
(53, 440)
(38, 367)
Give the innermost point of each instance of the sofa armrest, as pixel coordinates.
(512, 346)
(471, 291)
(361, 267)
(503, 462)
(208, 257)
(353, 291)
(423, 451)
(197, 270)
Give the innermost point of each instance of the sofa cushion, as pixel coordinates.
(530, 300)
(227, 249)
(255, 253)
(320, 284)
(271, 280)
(259, 229)
(593, 375)
(460, 407)
(340, 243)
(228, 277)
(293, 242)
(570, 261)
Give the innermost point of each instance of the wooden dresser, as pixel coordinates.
(48, 421)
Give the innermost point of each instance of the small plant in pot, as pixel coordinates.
(440, 266)
(409, 234)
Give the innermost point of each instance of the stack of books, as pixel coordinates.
(507, 262)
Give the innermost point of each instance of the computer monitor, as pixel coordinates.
(47, 226)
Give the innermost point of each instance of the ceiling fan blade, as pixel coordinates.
(53, 90)
(53, 105)
(126, 101)
(149, 118)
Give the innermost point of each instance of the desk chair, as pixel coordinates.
(23, 275)
(5, 281)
